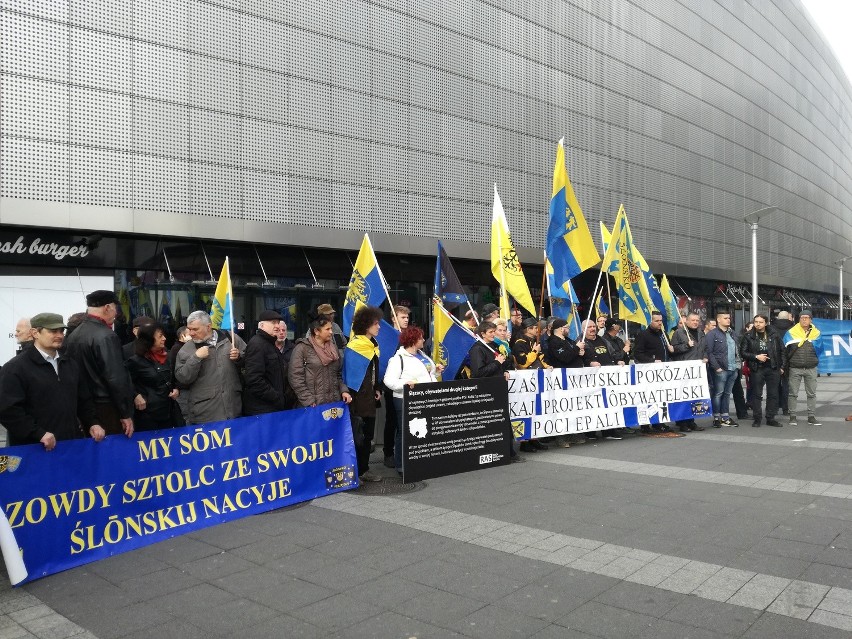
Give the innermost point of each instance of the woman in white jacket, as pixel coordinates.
(409, 366)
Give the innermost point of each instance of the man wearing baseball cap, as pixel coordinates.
(97, 350)
(42, 372)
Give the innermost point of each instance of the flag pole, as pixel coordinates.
(591, 305)
(230, 300)
(503, 293)
(543, 282)
(384, 281)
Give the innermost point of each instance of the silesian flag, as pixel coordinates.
(671, 313)
(359, 352)
(448, 288)
(655, 299)
(570, 246)
(450, 342)
(220, 314)
(601, 305)
(505, 265)
(622, 263)
(365, 286)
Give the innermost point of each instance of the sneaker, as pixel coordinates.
(370, 477)
(773, 422)
(696, 427)
(389, 463)
(755, 424)
(813, 421)
(717, 423)
(526, 447)
(538, 445)
(727, 421)
(793, 421)
(615, 437)
(563, 443)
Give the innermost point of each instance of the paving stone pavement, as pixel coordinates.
(742, 532)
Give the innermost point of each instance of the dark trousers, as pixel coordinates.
(760, 376)
(108, 418)
(390, 424)
(739, 396)
(783, 390)
(362, 444)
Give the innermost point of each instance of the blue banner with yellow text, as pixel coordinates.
(85, 501)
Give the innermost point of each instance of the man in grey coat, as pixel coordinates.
(209, 367)
(689, 342)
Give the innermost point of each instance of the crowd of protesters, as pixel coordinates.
(76, 379)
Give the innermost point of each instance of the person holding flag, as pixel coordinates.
(451, 342)
(361, 376)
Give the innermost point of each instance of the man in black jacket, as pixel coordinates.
(689, 343)
(41, 373)
(97, 350)
(562, 352)
(651, 344)
(761, 347)
(265, 369)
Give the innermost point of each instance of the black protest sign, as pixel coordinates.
(455, 427)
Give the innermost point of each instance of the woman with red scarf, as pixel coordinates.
(152, 379)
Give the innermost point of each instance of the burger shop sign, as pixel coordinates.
(49, 248)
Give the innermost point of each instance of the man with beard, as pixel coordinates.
(761, 347)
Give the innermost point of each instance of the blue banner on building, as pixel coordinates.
(835, 343)
(85, 501)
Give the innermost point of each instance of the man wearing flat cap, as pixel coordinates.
(97, 350)
(266, 389)
(42, 372)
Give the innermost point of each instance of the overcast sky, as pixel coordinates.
(834, 18)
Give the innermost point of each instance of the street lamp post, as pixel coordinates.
(751, 219)
(840, 264)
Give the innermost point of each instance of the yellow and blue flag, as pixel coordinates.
(366, 285)
(570, 246)
(601, 305)
(671, 312)
(359, 352)
(505, 265)
(448, 287)
(450, 342)
(220, 311)
(388, 339)
(622, 262)
(655, 299)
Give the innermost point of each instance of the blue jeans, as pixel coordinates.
(723, 383)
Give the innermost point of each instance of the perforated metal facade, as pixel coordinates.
(248, 119)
